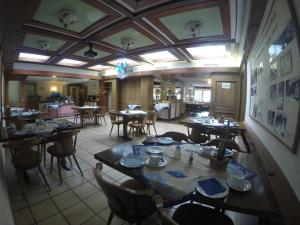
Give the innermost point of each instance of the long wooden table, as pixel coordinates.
(240, 129)
(127, 117)
(258, 201)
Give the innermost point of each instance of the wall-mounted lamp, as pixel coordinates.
(53, 89)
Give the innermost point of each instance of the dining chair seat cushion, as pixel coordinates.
(134, 184)
(53, 151)
(196, 214)
(149, 122)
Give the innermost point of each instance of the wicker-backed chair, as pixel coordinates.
(130, 201)
(151, 120)
(138, 125)
(115, 121)
(198, 133)
(26, 155)
(64, 146)
(194, 214)
(230, 144)
(100, 114)
(176, 136)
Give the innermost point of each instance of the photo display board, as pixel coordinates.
(274, 63)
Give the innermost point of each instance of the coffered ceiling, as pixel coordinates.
(64, 29)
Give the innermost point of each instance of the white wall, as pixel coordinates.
(14, 94)
(289, 162)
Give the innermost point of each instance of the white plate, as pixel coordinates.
(247, 186)
(155, 150)
(215, 196)
(162, 163)
(131, 161)
(165, 141)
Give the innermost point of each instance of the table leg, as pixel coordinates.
(125, 132)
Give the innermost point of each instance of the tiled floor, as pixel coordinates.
(79, 200)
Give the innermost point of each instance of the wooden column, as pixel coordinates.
(115, 92)
(146, 97)
(101, 93)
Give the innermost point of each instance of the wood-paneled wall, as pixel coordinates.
(137, 90)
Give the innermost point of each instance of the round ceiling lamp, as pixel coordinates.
(67, 17)
(192, 28)
(127, 43)
(122, 69)
(90, 53)
(43, 44)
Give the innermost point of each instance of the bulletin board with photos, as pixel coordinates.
(274, 66)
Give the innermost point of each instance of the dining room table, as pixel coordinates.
(41, 129)
(211, 123)
(128, 116)
(83, 110)
(177, 179)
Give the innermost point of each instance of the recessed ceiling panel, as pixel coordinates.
(140, 40)
(83, 14)
(100, 53)
(42, 42)
(159, 57)
(209, 18)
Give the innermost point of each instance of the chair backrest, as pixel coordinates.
(23, 152)
(176, 136)
(198, 134)
(124, 201)
(113, 117)
(230, 144)
(64, 142)
(152, 116)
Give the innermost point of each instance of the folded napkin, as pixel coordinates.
(176, 173)
(211, 186)
(233, 166)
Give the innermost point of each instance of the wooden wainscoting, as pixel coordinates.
(284, 195)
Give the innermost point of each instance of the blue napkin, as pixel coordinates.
(176, 173)
(211, 186)
(235, 166)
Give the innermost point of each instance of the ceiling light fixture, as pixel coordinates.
(33, 57)
(71, 62)
(193, 28)
(67, 17)
(90, 53)
(127, 43)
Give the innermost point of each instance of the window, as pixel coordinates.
(202, 95)
(178, 93)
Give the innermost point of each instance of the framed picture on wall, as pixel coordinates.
(276, 102)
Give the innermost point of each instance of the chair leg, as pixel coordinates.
(44, 178)
(77, 164)
(148, 129)
(70, 160)
(111, 129)
(59, 172)
(104, 120)
(111, 215)
(19, 173)
(154, 129)
(44, 150)
(51, 164)
(118, 131)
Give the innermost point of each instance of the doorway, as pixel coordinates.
(78, 93)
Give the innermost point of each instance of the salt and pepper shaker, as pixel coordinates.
(177, 153)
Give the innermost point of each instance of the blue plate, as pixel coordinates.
(165, 141)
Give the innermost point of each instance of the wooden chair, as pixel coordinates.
(76, 115)
(115, 121)
(100, 114)
(151, 120)
(176, 136)
(194, 214)
(130, 201)
(25, 157)
(230, 144)
(138, 125)
(64, 146)
(198, 133)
